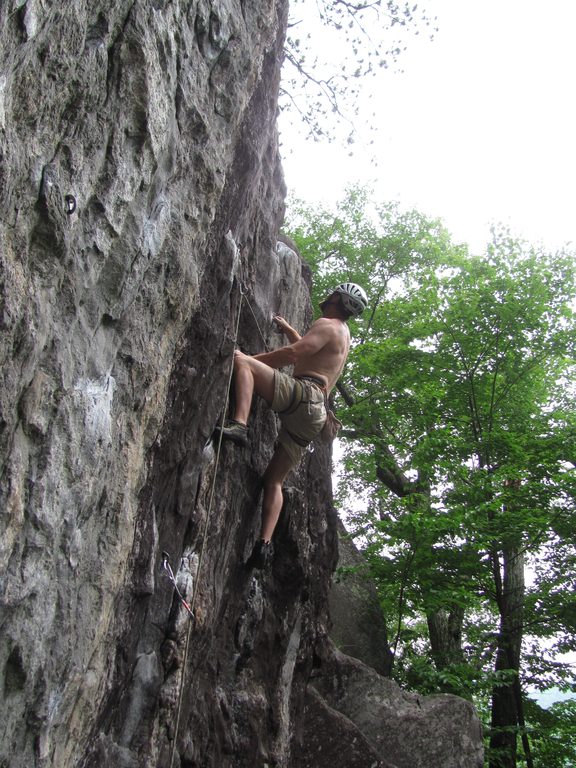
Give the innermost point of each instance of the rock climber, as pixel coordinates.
(299, 399)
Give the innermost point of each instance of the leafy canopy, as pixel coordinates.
(458, 403)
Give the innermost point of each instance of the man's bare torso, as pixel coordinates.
(326, 363)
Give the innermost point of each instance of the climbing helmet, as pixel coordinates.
(354, 297)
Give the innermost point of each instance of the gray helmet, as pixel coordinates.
(354, 298)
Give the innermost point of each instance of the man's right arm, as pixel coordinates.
(306, 346)
(291, 333)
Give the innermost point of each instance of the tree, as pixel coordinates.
(459, 426)
(554, 736)
(332, 47)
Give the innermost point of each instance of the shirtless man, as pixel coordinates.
(318, 358)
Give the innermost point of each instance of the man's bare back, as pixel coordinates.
(321, 352)
(325, 357)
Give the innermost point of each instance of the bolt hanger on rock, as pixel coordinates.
(70, 202)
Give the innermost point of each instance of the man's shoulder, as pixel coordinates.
(328, 322)
(325, 326)
(331, 330)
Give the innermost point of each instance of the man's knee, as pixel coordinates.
(271, 479)
(278, 469)
(241, 362)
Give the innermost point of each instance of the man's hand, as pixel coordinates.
(280, 322)
(287, 329)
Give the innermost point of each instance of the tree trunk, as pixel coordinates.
(445, 632)
(506, 698)
(444, 624)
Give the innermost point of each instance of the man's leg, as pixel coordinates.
(276, 472)
(250, 376)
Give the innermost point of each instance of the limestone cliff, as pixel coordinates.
(141, 196)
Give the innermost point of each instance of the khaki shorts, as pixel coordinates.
(300, 406)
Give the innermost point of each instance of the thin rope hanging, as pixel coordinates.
(165, 561)
(190, 608)
(256, 321)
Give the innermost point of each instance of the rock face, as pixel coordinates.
(358, 624)
(368, 720)
(140, 200)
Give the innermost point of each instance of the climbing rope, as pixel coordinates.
(256, 321)
(166, 558)
(166, 564)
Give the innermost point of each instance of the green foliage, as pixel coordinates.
(459, 421)
(553, 734)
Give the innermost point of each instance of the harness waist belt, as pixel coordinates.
(313, 379)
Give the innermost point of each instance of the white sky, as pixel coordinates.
(480, 126)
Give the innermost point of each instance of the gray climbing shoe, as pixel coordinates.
(261, 556)
(234, 431)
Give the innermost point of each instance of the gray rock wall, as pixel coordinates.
(155, 120)
(140, 200)
(358, 624)
(386, 727)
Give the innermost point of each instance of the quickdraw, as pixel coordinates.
(170, 574)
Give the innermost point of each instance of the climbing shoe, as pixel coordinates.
(261, 556)
(234, 431)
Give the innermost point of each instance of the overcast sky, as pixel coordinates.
(480, 127)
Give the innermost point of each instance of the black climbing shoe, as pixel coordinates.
(261, 556)
(234, 431)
